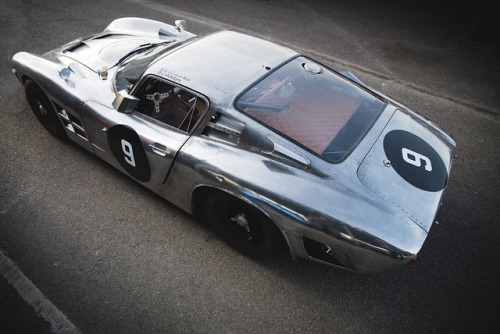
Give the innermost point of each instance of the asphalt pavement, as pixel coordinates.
(105, 262)
(17, 316)
(23, 308)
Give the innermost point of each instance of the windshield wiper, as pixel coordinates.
(139, 49)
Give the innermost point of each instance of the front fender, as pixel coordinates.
(45, 73)
(145, 27)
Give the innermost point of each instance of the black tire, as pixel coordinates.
(243, 227)
(43, 110)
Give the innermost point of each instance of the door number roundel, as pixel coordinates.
(127, 148)
(415, 160)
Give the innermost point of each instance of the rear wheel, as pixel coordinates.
(43, 110)
(243, 227)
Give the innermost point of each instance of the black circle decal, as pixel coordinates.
(415, 160)
(127, 149)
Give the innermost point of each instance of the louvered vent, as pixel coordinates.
(72, 124)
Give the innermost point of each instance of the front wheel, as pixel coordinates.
(243, 227)
(43, 110)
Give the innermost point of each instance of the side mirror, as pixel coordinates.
(124, 102)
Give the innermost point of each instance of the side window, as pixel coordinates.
(170, 104)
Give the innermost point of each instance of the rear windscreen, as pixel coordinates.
(314, 106)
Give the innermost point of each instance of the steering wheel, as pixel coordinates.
(158, 99)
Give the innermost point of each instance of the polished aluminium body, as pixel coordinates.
(362, 212)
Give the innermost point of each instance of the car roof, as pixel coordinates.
(222, 64)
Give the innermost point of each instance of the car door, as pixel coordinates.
(145, 142)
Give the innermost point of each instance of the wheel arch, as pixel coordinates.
(25, 78)
(201, 193)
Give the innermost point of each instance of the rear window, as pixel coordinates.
(314, 106)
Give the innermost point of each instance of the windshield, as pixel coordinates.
(314, 106)
(134, 67)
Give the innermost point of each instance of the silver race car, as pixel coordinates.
(277, 150)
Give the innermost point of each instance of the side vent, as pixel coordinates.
(72, 124)
(321, 252)
(224, 129)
